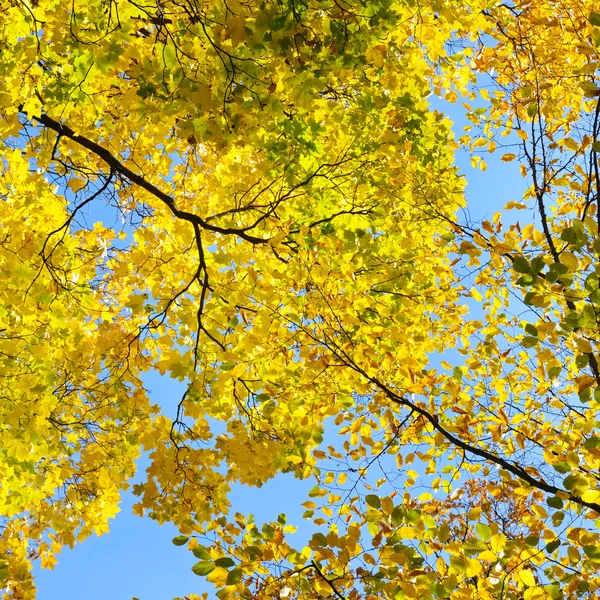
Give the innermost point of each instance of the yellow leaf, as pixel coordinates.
(407, 533)
(591, 496)
(387, 505)
(476, 295)
(571, 144)
(473, 567)
(377, 54)
(474, 513)
(569, 260)
(584, 382)
(321, 587)
(526, 577)
(497, 542)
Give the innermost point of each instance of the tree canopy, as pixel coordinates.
(260, 199)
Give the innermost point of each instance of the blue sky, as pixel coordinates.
(137, 558)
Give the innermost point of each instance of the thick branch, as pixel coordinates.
(118, 167)
(516, 470)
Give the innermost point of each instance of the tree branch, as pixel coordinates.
(118, 167)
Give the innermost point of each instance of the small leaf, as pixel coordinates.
(234, 576)
(180, 540)
(554, 502)
(458, 563)
(592, 552)
(531, 330)
(169, 56)
(484, 531)
(225, 562)
(412, 516)
(594, 19)
(474, 545)
(554, 592)
(373, 501)
(443, 533)
(201, 552)
(532, 540)
(440, 591)
(527, 577)
(397, 515)
(474, 513)
(203, 568)
(532, 109)
(521, 265)
(529, 341)
(508, 157)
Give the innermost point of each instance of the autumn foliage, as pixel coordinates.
(260, 200)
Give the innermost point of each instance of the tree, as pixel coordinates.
(259, 200)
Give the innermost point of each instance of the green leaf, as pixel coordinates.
(474, 545)
(531, 330)
(397, 515)
(554, 502)
(529, 341)
(526, 280)
(484, 531)
(552, 546)
(201, 552)
(203, 568)
(521, 265)
(458, 563)
(169, 56)
(225, 562)
(562, 467)
(532, 540)
(180, 540)
(594, 19)
(569, 235)
(373, 501)
(443, 533)
(412, 516)
(268, 408)
(592, 552)
(532, 109)
(316, 491)
(554, 592)
(234, 576)
(439, 590)
(554, 372)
